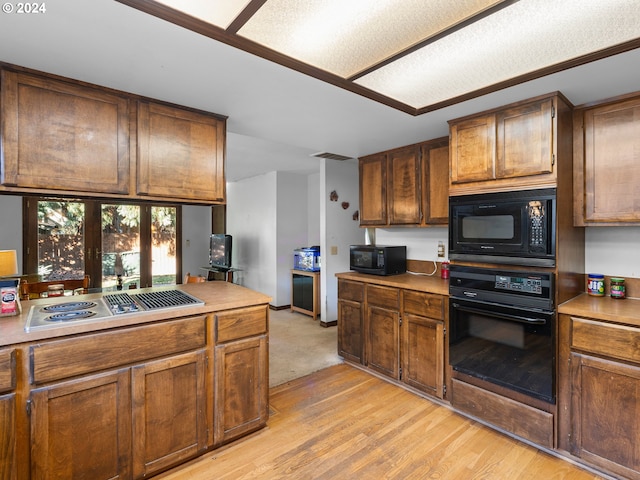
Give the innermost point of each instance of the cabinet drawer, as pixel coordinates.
(423, 304)
(242, 323)
(353, 291)
(7, 369)
(615, 341)
(91, 353)
(386, 297)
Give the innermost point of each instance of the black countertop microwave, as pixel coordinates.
(378, 259)
(517, 228)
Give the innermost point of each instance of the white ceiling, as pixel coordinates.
(277, 117)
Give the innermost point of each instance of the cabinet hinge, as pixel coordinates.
(444, 390)
(400, 370)
(28, 408)
(400, 320)
(553, 159)
(553, 111)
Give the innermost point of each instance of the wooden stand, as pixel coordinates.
(305, 292)
(228, 273)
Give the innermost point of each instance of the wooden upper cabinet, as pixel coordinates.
(607, 163)
(404, 186)
(180, 154)
(435, 182)
(473, 150)
(507, 148)
(373, 190)
(63, 136)
(525, 140)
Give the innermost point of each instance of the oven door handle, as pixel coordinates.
(513, 318)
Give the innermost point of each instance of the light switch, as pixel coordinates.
(334, 250)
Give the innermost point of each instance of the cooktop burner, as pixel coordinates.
(70, 316)
(69, 306)
(78, 311)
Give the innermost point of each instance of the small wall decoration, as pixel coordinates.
(333, 196)
(345, 205)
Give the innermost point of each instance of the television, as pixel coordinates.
(220, 251)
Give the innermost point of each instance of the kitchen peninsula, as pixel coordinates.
(127, 396)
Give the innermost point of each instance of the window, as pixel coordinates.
(136, 244)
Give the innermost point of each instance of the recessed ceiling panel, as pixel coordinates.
(528, 36)
(217, 12)
(345, 37)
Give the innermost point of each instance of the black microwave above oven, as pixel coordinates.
(517, 228)
(378, 259)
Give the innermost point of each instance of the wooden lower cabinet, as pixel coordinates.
(606, 413)
(383, 330)
(397, 332)
(423, 354)
(7, 414)
(169, 412)
(82, 428)
(8, 437)
(241, 388)
(350, 320)
(603, 378)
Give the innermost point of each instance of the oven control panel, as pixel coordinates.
(519, 284)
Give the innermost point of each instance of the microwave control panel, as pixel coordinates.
(537, 237)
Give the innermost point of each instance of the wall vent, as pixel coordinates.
(331, 156)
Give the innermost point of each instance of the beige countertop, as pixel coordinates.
(408, 281)
(217, 296)
(625, 311)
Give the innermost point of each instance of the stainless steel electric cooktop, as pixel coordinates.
(76, 311)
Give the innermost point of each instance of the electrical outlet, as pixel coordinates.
(440, 249)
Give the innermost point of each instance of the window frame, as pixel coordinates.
(93, 236)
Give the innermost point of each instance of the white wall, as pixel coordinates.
(291, 218)
(337, 227)
(422, 243)
(196, 228)
(267, 216)
(11, 225)
(251, 220)
(613, 251)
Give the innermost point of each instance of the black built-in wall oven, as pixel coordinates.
(501, 328)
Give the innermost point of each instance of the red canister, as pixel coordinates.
(444, 270)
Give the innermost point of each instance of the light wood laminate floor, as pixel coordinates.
(343, 423)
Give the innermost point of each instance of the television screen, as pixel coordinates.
(220, 251)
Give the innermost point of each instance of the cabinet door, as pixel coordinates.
(435, 183)
(82, 428)
(423, 353)
(383, 341)
(180, 154)
(350, 316)
(241, 386)
(612, 162)
(373, 190)
(473, 149)
(8, 437)
(404, 186)
(63, 136)
(169, 412)
(525, 140)
(605, 407)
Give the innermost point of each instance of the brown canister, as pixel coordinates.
(617, 287)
